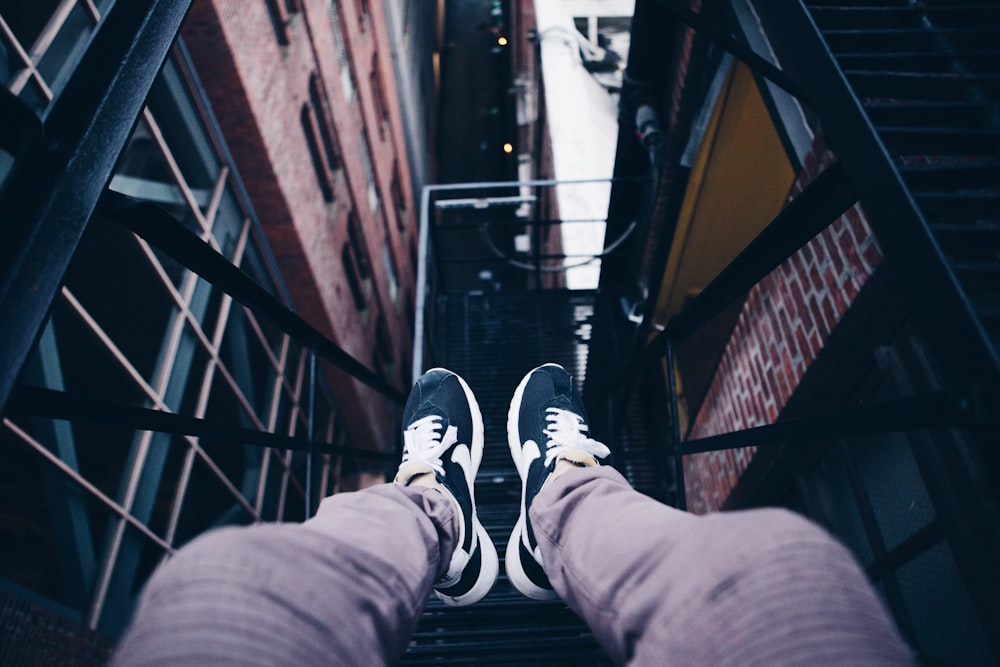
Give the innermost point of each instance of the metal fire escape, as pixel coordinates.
(908, 94)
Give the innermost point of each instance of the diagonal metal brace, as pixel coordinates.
(161, 230)
(943, 409)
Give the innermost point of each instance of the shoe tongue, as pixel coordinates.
(428, 409)
(562, 402)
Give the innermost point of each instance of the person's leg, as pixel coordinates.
(660, 586)
(347, 586)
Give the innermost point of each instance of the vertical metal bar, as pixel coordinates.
(420, 303)
(310, 430)
(293, 420)
(66, 503)
(677, 445)
(536, 241)
(225, 308)
(324, 478)
(272, 421)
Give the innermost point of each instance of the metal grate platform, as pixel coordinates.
(493, 340)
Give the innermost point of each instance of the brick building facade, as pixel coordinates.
(787, 317)
(781, 328)
(305, 93)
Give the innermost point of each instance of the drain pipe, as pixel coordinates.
(651, 136)
(645, 77)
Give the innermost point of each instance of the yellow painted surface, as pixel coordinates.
(739, 182)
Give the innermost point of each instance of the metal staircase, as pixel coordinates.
(928, 76)
(492, 339)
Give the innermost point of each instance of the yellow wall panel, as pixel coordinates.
(739, 182)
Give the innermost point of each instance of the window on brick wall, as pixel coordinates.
(324, 120)
(277, 11)
(354, 282)
(356, 239)
(357, 263)
(398, 200)
(366, 162)
(363, 10)
(378, 95)
(340, 45)
(314, 141)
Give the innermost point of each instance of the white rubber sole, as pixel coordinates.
(515, 569)
(488, 571)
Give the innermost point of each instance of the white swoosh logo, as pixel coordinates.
(529, 452)
(463, 457)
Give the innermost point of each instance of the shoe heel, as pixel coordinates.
(514, 566)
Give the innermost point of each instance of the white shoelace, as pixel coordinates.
(566, 431)
(423, 443)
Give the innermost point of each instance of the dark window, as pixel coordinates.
(356, 238)
(357, 264)
(310, 128)
(398, 200)
(362, 13)
(378, 95)
(321, 110)
(277, 10)
(353, 279)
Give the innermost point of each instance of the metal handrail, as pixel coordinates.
(863, 172)
(164, 232)
(53, 189)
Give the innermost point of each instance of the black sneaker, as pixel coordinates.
(546, 423)
(443, 435)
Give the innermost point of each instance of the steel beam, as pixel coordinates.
(54, 188)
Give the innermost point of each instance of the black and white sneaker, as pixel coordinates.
(546, 423)
(443, 435)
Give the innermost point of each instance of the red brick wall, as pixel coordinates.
(257, 88)
(781, 328)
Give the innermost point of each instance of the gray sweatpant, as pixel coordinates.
(656, 586)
